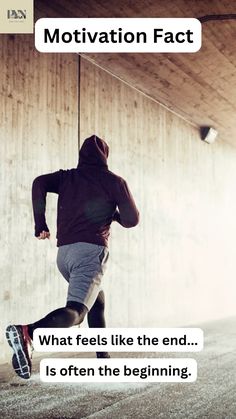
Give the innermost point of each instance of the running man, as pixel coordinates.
(90, 197)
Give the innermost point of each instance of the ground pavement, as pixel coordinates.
(212, 396)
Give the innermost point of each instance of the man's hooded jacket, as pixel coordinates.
(90, 197)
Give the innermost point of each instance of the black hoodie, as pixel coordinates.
(88, 197)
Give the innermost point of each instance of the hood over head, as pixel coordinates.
(94, 152)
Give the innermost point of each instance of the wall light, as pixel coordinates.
(208, 134)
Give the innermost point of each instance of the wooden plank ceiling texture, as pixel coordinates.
(201, 87)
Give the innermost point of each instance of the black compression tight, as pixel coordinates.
(68, 316)
(73, 314)
(96, 317)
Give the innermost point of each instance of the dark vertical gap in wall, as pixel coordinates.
(79, 62)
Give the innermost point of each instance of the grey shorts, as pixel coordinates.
(82, 265)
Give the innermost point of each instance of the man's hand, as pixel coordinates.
(44, 235)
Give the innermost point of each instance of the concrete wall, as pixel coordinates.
(178, 266)
(38, 134)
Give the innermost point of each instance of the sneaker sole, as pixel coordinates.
(20, 362)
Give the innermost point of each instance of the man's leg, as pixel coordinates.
(68, 316)
(96, 318)
(82, 265)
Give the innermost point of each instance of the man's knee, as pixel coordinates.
(80, 308)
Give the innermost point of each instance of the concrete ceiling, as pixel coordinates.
(200, 87)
